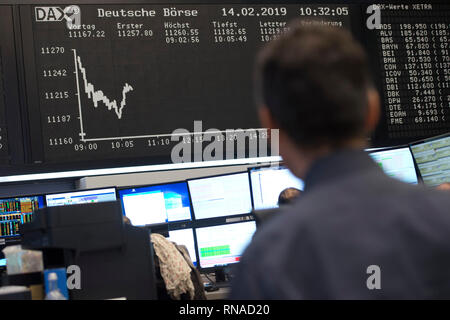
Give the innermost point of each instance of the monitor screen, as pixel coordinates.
(185, 237)
(2, 262)
(81, 197)
(433, 160)
(221, 196)
(15, 211)
(224, 244)
(397, 163)
(156, 204)
(269, 182)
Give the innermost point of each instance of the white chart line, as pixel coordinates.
(82, 133)
(98, 96)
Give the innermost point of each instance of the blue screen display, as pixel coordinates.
(81, 197)
(156, 204)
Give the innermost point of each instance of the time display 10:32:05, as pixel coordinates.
(283, 11)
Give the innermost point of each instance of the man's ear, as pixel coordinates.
(373, 110)
(266, 119)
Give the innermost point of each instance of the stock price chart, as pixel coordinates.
(128, 76)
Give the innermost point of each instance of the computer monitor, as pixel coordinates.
(2, 262)
(81, 197)
(220, 196)
(15, 211)
(185, 237)
(432, 157)
(397, 163)
(223, 245)
(156, 204)
(267, 184)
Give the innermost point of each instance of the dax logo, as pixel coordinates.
(72, 15)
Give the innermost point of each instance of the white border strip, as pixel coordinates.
(136, 169)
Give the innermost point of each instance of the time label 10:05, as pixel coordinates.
(283, 11)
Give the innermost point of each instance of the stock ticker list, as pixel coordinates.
(413, 45)
(122, 82)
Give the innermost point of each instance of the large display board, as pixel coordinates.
(129, 82)
(3, 137)
(132, 74)
(5, 15)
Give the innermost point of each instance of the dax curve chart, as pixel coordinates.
(124, 80)
(95, 95)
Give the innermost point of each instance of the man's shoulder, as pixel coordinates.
(338, 209)
(262, 272)
(276, 236)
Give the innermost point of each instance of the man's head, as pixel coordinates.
(126, 220)
(314, 85)
(288, 195)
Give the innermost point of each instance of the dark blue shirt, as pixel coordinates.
(351, 216)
